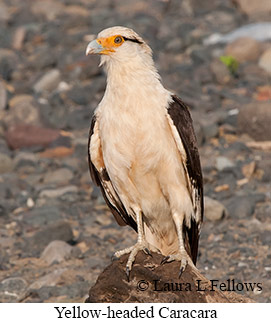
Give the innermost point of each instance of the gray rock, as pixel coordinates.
(54, 113)
(50, 279)
(265, 238)
(8, 62)
(244, 49)
(213, 209)
(265, 61)
(59, 176)
(220, 72)
(56, 251)
(41, 216)
(255, 119)
(22, 109)
(57, 231)
(4, 12)
(6, 164)
(58, 192)
(12, 288)
(48, 81)
(25, 158)
(254, 8)
(223, 163)
(243, 206)
(210, 131)
(3, 96)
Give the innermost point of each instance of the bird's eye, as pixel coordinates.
(118, 40)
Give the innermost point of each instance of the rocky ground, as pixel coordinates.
(56, 233)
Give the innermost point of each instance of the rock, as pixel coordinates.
(223, 163)
(25, 158)
(42, 216)
(265, 61)
(55, 193)
(56, 251)
(54, 112)
(148, 283)
(259, 31)
(210, 131)
(47, 8)
(59, 176)
(255, 119)
(12, 288)
(56, 231)
(51, 279)
(8, 62)
(213, 209)
(254, 8)
(57, 152)
(22, 109)
(265, 237)
(220, 72)
(19, 136)
(244, 49)
(4, 13)
(18, 38)
(243, 206)
(6, 164)
(48, 81)
(3, 96)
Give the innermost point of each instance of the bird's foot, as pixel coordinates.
(181, 256)
(133, 252)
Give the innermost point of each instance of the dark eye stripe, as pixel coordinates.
(134, 40)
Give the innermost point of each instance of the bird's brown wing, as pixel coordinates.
(110, 195)
(179, 114)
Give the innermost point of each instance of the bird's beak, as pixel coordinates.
(94, 47)
(101, 46)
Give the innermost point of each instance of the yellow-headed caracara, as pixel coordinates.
(143, 152)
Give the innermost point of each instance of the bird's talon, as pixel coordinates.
(114, 257)
(128, 273)
(181, 271)
(164, 260)
(147, 252)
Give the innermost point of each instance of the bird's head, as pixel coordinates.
(119, 43)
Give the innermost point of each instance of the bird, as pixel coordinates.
(143, 153)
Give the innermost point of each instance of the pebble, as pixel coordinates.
(252, 8)
(55, 193)
(223, 163)
(213, 209)
(59, 176)
(3, 96)
(265, 61)
(51, 279)
(56, 251)
(220, 72)
(60, 230)
(22, 109)
(244, 49)
(12, 288)
(6, 164)
(255, 122)
(48, 82)
(19, 136)
(243, 206)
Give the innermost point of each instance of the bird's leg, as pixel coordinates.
(182, 254)
(140, 245)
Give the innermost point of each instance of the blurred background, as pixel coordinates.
(56, 233)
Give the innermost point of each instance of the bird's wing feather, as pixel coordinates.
(183, 132)
(101, 179)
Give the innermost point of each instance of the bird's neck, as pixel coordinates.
(134, 77)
